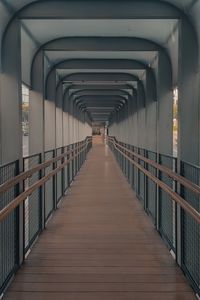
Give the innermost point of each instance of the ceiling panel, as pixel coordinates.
(157, 30)
(65, 72)
(144, 56)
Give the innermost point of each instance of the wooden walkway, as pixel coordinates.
(100, 245)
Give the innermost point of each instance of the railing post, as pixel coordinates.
(77, 151)
(42, 193)
(20, 218)
(63, 173)
(178, 218)
(75, 159)
(146, 205)
(85, 153)
(54, 183)
(68, 167)
(79, 156)
(158, 195)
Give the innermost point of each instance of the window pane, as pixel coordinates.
(175, 121)
(25, 119)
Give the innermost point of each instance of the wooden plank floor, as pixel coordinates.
(100, 245)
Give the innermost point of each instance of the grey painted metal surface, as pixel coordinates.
(118, 66)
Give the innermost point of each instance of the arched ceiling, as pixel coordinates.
(158, 24)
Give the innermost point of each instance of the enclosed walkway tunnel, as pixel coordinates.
(130, 68)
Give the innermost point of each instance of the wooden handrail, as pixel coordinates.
(180, 179)
(176, 197)
(22, 197)
(27, 174)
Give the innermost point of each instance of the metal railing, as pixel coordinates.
(151, 188)
(190, 228)
(153, 176)
(44, 182)
(32, 204)
(172, 200)
(9, 232)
